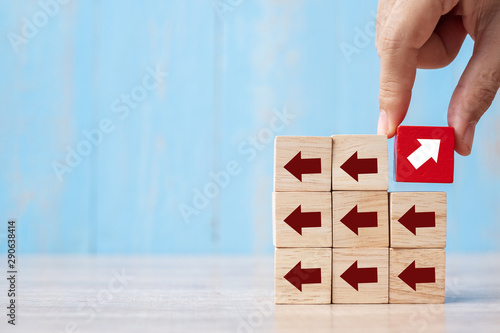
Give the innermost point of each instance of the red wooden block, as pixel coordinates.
(424, 154)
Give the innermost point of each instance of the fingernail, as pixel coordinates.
(382, 127)
(469, 135)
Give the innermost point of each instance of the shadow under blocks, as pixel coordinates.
(341, 237)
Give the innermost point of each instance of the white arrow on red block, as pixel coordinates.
(429, 149)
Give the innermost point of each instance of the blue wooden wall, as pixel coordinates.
(230, 75)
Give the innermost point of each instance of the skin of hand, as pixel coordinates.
(413, 34)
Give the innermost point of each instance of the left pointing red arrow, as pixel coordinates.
(298, 219)
(355, 220)
(412, 220)
(355, 275)
(413, 275)
(355, 166)
(298, 166)
(298, 276)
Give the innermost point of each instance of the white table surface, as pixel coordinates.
(227, 294)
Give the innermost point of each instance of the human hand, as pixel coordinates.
(428, 34)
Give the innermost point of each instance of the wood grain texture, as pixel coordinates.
(343, 259)
(401, 292)
(287, 148)
(313, 293)
(214, 294)
(366, 146)
(343, 204)
(401, 209)
(286, 203)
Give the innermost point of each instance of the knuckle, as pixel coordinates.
(389, 93)
(488, 85)
(492, 78)
(482, 95)
(388, 43)
(389, 40)
(388, 89)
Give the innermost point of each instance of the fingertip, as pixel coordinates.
(391, 132)
(393, 103)
(383, 124)
(464, 136)
(394, 120)
(388, 122)
(461, 148)
(466, 139)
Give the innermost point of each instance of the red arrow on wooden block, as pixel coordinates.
(413, 220)
(354, 275)
(298, 166)
(355, 220)
(412, 275)
(298, 219)
(298, 276)
(355, 166)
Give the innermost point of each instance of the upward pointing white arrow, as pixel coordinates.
(429, 149)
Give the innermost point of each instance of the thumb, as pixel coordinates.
(476, 89)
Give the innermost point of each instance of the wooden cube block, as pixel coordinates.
(360, 275)
(418, 219)
(302, 163)
(360, 219)
(424, 154)
(303, 276)
(417, 276)
(302, 219)
(360, 162)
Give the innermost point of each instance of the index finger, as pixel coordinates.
(408, 27)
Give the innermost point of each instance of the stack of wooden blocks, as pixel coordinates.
(340, 237)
